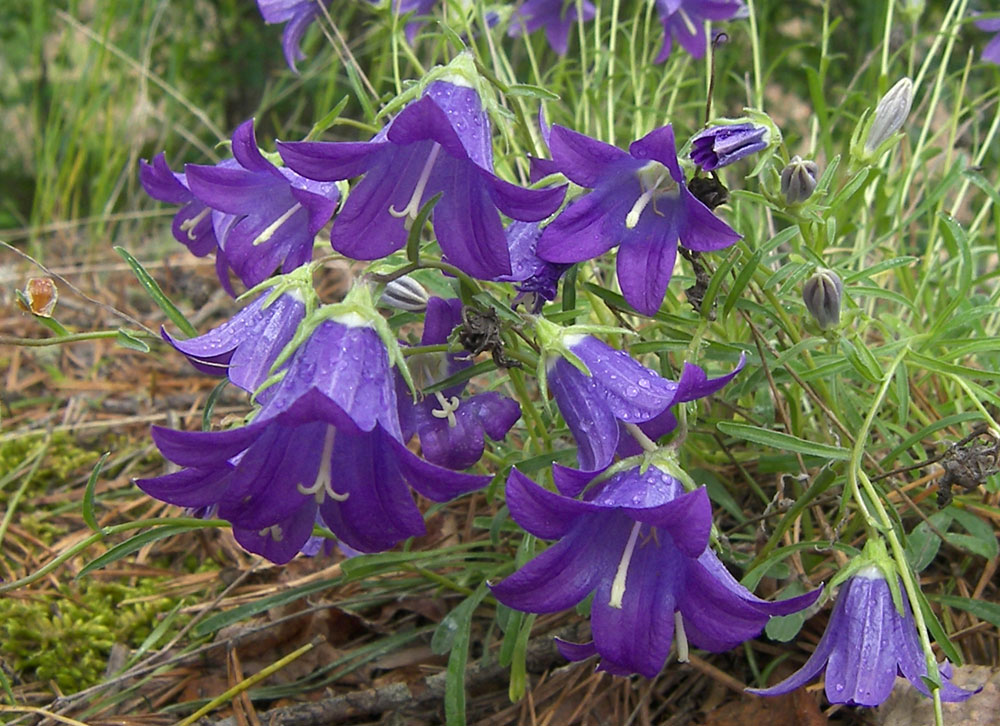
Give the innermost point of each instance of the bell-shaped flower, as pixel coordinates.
(598, 387)
(684, 22)
(537, 280)
(866, 643)
(721, 145)
(311, 461)
(439, 144)
(273, 213)
(299, 14)
(639, 201)
(556, 17)
(192, 225)
(649, 566)
(451, 427)
(991, 51)
(246, 346)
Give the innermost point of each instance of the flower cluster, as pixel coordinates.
(353, 412)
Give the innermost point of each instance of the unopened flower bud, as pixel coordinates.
(822, 294)
(890, 114)
(798, 179)
(721, 145)
(405, 293)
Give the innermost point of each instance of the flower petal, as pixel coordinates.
(563, 574)
(543, 513)
(588, 416)
(586, 161)
(646, 263)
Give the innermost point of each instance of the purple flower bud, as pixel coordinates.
(890, 113)
(405, 293)
(719, 146)
(822, 294)
(798, 179)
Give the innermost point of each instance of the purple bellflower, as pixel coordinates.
(650, 568)
(192, 225)
(719, 146)
(272, 214)
(327, 444)
(537, 280)
(684, 22)
(639, 202)
(439, 144)
(246, 346)
(991, 52)
(615, 389)
(416, 9)
(866, 643)
(450, 426)
(299, 14)
(557, 17)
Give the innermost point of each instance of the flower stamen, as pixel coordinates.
(618, 584)
(447, 410)
(188, 225)
(323, 486)
(274, 532)
(412, 207)
(683, 655)
(269, 231)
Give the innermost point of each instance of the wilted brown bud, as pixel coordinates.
(41, 295)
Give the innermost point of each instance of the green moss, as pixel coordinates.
(63, 459)
(66, 638)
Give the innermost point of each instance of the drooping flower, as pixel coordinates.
(684, 21)
(272, 214)
(192, 225)
(556, 17)
(618, 389)
(327, 443)
(415, 9)
(299, 14)
(439, 144)
(719, 146)
(246, 346)
(649, 566)
(991, 51)
(273, 478)
(451, 427)
(639, 201)
(537, 280)
(866, 643)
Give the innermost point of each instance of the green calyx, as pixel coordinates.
(298, 283)
(357, 309)
(556, 341)
(874, 555)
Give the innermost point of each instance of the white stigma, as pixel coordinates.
(447, 410)
(269, 231)
(413, 206)
(188, 225)
(323, 486)
(652, 188)
(618, 584)
(681, 637)
(687, 21)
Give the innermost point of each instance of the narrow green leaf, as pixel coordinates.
(127, 339)
(778, 440)
(459, 628)
(518, 665)
(156, 292)
(327, 121)
(88, 493)
(982, 609)
(952, 369)
(532, 91)
(741, 282)
(938, 631)
(881, 267)
(922, 544)
(133, 544)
